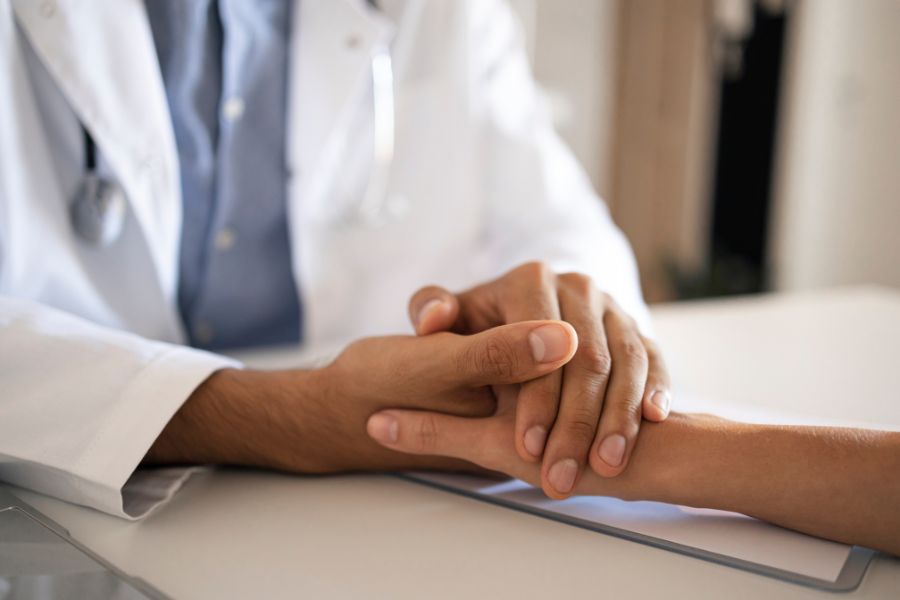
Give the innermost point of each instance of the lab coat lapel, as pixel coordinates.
(332, 47)
(102, 57)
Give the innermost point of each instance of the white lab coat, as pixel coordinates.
(91, 366)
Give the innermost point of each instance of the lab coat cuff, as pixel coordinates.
(147, 405)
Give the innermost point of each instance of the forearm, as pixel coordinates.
(840, 484)
(239, 417)
(292, 420)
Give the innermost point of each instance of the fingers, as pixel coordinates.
(423, 432)
(538, 402)
(531, 294)
(657, 395)
(590, 411)
(503, 355)
(433, 309)
(622, 407)
(484, 442)
(584, 385)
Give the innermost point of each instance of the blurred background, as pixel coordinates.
(742, 145)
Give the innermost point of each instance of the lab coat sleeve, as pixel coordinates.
(81, 404)
(541, 203)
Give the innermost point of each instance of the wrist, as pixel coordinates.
(673, 459)
(187, 436)
(688, 459)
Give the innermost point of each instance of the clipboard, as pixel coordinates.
(720, 537)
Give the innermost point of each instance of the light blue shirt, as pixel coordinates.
(224, 64)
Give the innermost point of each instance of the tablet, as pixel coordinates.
(38, 559)
(726, 538)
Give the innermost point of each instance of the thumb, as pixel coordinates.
(507, 354)
(433, 309)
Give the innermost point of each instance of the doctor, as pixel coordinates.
(181, 177)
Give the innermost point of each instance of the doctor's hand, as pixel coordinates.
(591, 410)
(315, 421)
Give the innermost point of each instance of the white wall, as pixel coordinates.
(837, 215)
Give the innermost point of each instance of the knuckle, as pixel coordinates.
(595, 360)
(632, 350)
(625, 415)
(426, 433)
(534, 271)
(494, 358)
(581, 426)
(579, 283)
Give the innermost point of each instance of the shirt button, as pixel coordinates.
(224, 239)
(203, 332)
(233, 108)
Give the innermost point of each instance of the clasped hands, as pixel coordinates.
(539, 369)
(571, 375)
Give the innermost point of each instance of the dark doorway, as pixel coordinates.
(743, 165)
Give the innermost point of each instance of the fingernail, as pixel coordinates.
(661, 399)
(427, 308)
(549, 343)
(612, 450)
(384, 429)
(562, 475)
(534, 440)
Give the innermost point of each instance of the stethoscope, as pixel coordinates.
(99, 207)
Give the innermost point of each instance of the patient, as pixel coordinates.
(836, 483)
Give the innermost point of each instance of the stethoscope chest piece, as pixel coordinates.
(98, 210)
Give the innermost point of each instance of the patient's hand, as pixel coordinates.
(487, 442)
(830, 482)
(591, 410)
(660, 467)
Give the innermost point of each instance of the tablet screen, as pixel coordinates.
(36, 562)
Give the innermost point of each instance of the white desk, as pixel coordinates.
(242, 534)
